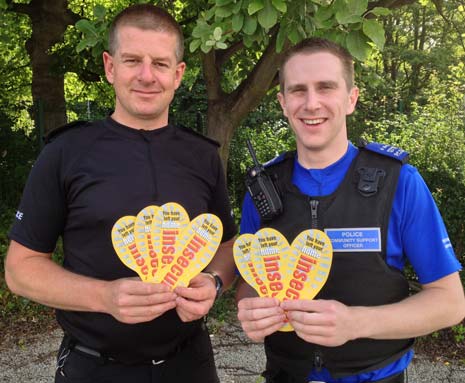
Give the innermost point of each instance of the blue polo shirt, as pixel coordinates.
(416, 233)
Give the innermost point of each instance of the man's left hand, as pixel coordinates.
(195, 301)
(323, 322)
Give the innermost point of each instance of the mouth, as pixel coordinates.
(146, 92)
(313, 121)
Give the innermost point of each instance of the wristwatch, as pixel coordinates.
(218, 282)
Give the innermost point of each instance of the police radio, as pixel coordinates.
(262, 189)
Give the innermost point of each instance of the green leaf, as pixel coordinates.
(97, 50)
(250, 25)
(380, 11)
(201, 29)
(194, 45)
(280, 39)
(346, 18)
(220, 3)
(217, 33)
(223, 12)
(237, 7)
(255, 6)
(357, 45)
(210, 43)
(100, 11)
(294, 36)
(357, 7)
(237, 22)
(81, 46)
(86, 27)
(268, 16)
(374, 30)
(205, 48)
(248, 41)
(324, 13)
(220, 45)
(210, 13)
(280, 5)
(92, 41)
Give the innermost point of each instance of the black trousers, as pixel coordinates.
(194, 363)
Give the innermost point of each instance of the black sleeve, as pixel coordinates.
(41, 214)
(219, 204)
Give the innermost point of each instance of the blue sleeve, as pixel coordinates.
(417, 231)
(250, 220)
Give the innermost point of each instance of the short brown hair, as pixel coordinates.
(316, 45)
(146, 17)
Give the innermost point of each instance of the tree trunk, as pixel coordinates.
(49, 21)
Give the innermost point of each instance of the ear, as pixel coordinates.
(353, 97)
(108, 65)
(282, 102)
(180, 68)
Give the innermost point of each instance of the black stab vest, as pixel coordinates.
(356, 278)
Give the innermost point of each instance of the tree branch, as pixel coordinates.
(224, 55)
(249, 93)
(212, 75)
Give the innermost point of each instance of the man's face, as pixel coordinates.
(144, 73)
(316, 102)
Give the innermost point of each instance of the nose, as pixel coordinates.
(312, 101)
(146, 72)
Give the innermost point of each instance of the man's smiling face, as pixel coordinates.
(316, 101)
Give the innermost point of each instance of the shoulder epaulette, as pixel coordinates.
(56, 132)
(199, 135)
(386, 150)
(279, 158)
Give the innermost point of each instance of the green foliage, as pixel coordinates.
(94, 34)
(428, 133)
(459, 333)
(252, 21)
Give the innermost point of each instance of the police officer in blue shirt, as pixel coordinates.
(378, 213)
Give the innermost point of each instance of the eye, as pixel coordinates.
(130, 61)
(160, 64)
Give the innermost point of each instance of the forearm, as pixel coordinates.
(244, 290)
(36, 277)
(438, 305)
(223, 263)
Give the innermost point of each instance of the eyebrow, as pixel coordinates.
(295, 87)
(137, 55)
(326, 83)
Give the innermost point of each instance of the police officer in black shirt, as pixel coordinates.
(116, 327)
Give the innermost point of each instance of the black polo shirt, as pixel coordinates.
(89, 176)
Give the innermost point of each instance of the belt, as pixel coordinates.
(96, 354)
(158, 361)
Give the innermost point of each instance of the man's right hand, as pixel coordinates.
(260, 317)
(129, 300)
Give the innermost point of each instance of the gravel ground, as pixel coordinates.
(238, 360)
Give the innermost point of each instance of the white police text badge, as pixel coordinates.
(364, 239)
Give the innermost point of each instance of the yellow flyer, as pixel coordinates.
(144, 238)
(167, 225)
(123, 239)
(269, 259)
(196, 246)
(243, 258)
